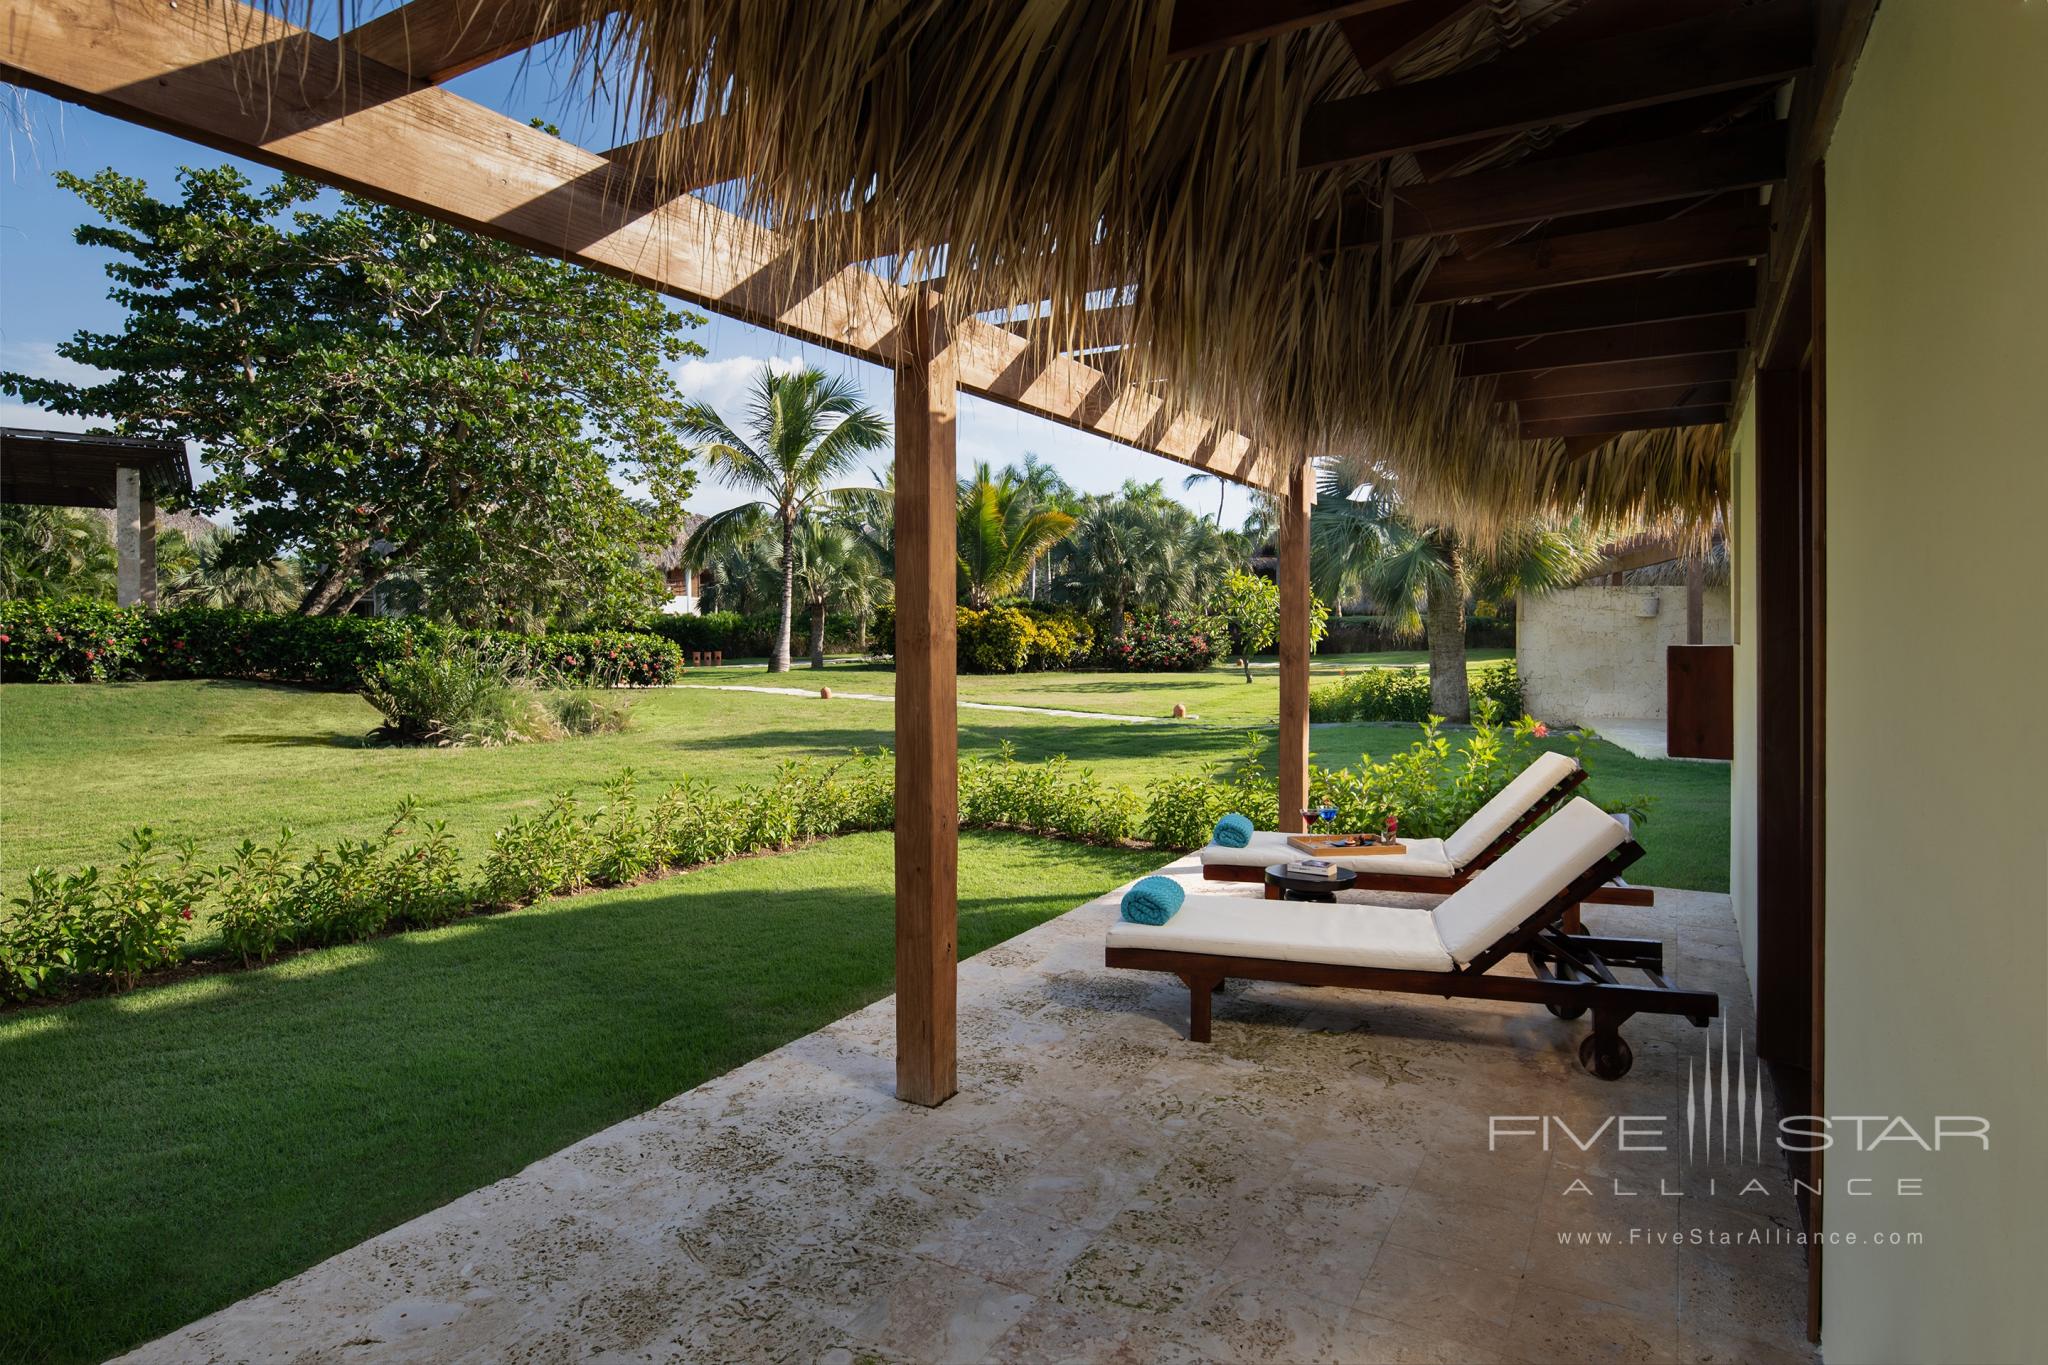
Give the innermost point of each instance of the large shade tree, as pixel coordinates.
(1362, 541)
(804, 431)
(377, 394)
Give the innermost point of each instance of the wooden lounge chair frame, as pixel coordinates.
(1574, 974)
(1618, 893)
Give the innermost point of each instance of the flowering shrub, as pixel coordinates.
(1161, 644)
(994, 641)
(79, 640)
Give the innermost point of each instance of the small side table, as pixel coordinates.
(1281, 887)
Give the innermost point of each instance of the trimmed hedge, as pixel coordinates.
(1162, 644)
(1012, 637)
(1402, 694)
(87, 641)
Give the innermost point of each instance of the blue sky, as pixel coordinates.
(51, 287)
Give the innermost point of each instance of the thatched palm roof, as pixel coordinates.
(1032, 157)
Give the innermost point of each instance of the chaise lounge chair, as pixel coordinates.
(1516, 905)
(1437, 866)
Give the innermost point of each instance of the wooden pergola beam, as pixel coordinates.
(1615, 178)
(1201, 27)
(1626, 401)
(1382, 39)
(1619, 378)
(377, 132)
(700, 159)
(1613, 303)
(1635, 421)
(1095, 328)
(1705, 238)
(1606, 345)
(1766, 43)
(438, 40)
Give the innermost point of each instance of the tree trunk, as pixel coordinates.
(817, 635)
(1450, 694)
(1116, 621)
(778, 656)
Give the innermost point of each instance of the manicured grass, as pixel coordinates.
(218, 762)
(171, 1151)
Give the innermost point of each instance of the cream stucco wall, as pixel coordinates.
(1589, 654)
(1937, 516)
(1742, 796)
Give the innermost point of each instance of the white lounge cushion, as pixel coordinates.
(1544, 863)
(1423, 858)
(1294, 931)
(1508, 805)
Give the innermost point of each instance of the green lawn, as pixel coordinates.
(171, 1151)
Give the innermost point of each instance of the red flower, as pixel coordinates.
(177, 644)
(92, 654)
(186, 913)
(3, 640)
(1541, 731)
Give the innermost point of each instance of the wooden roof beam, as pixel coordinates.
(438, 40)
(1616, 178)
(1607, 345)
(1574, 380)
(1626, 401)
(1755, 46)
(1635, 421)
(1096, 328)
(1201, 27)
(1384, 38)
(378, 133)
(1611, 303)
(1708, 238)
(701, 158)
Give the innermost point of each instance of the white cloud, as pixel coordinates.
(726, 384)
(39, 360)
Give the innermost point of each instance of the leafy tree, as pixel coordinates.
(1251, 606)
(380, 394)
(1002, 534)
(1360, 539)
(806, 430)
(1138, 547)
(217, 570)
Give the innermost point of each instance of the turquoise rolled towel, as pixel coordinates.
(1233, 831)
(1153, 900)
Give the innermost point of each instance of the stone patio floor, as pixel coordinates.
(1316, 1185)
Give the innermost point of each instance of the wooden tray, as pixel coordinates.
(1326, 846)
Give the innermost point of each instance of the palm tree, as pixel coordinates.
(1198, 478)
(807, 429)
(1044, 487)
(216, 573)
(833, 565)
(1002, 534)
(1123, 553)
(1361, 540)
(54, 552)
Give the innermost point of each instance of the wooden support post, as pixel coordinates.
(1294, 643)
(927, 773)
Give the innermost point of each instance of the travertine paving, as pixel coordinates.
(1316, 1185)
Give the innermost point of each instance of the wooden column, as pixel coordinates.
(1294, 644)
(927, 772)
(1696, 600)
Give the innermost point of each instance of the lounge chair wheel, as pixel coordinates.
(1566, 1011)
(1608, 1058)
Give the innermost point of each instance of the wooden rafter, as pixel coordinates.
(379, 133)
(1097, 327)
(679, 160)
(1620, 177)
(1692, 239)
(1617, 378)
(1204, 26)
(438, 40)
(1612, 303)
(1626, 401)
(1722, 52)
(1606, 345)
(1384, 38)
(1634, 421)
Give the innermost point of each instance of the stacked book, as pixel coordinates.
(1313, 867)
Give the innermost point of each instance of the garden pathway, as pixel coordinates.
(1316, 1185)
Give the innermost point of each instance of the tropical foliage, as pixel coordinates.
(805, 431)
(1005, 528)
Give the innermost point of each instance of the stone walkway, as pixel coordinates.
(1316, 1185)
